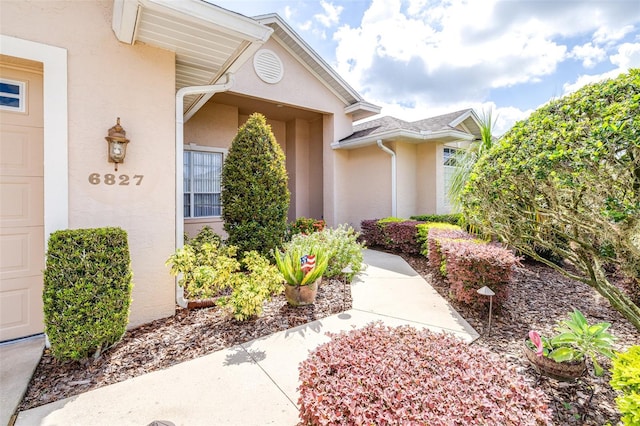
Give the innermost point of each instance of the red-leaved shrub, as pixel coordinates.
(471, 265)
(402, 236)
(433, 243)
(402, 376)
(371, 232)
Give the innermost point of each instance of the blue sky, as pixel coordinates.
(420, 58)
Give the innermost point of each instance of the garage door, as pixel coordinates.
(21, 198)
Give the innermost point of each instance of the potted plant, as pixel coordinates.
(564, 355)
(302, 273)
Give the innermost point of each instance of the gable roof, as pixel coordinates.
(294, 44)
(462, 125)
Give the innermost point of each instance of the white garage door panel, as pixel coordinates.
(21, 152)
(21, 311)
(17, 256)
(21, 202)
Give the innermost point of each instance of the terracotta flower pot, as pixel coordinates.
(566, 370)
(302, 295)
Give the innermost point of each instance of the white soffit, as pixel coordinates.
(207, 40)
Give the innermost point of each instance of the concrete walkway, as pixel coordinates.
(255, 383)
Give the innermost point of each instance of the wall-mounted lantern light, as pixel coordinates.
(117, 142)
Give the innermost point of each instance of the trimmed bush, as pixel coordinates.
(392, 233)
(87, 291)
(625, 377)
(340, 244)
(434, 236)
(371, 232)
(422, 233)
(255, 198)
(473, 264)
(453, 219)
(390, 376)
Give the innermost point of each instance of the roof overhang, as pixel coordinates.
(208, 41)
(407, 136)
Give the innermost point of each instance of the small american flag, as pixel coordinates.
(307, 263)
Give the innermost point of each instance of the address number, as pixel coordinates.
(110, 179)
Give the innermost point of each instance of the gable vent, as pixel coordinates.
(268, 66)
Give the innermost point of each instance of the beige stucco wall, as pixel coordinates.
(108, 79)
(427, 178)
(367, 185)
(407, 183)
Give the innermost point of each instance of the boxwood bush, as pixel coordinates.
(402, 376)
(87, 291)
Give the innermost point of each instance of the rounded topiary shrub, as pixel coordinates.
(380, 375)
(255, 198)
(87, 291)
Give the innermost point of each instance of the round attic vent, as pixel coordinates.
(268, 66)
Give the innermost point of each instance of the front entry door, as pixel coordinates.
(21, 198)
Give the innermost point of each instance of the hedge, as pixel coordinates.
(87, 291)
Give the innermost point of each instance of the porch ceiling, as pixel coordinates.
(208, 40)
(247, 106)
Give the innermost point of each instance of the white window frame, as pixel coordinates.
(199, 148)
(446, 169)
(21, 96)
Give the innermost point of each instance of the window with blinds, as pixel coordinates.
(202, 178)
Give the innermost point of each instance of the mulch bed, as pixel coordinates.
(538, 298)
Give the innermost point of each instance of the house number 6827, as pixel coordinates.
(111, 179)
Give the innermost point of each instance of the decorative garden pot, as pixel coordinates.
(566, 370)
(301, 295)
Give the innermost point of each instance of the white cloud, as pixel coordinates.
(331, 15)
(628, 56)
(606, 35)
(589, 54)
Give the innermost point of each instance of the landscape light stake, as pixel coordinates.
(486, 291)
(346, 270)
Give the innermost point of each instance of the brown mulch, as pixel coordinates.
(538, 298)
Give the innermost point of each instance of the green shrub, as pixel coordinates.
(453, 219)
(252, 288)
(205, 235)
(87, 291)
(290, 265)
(625, 377)
(566, 181)
(205, 269)
(255, 197)
(341, 246)
(390, 219)
(212, 270)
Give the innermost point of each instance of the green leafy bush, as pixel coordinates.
(340, 245)
(567, 181)
(251, 288)
(205, 235)
(212, 270)
(625, 377)
(205, 270)
(453, 219)
(386, 376)
(255, 198)
(87, 291)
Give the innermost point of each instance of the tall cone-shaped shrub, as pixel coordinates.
(255, 198)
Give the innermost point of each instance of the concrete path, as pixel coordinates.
(255, 383)
(18, 361)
